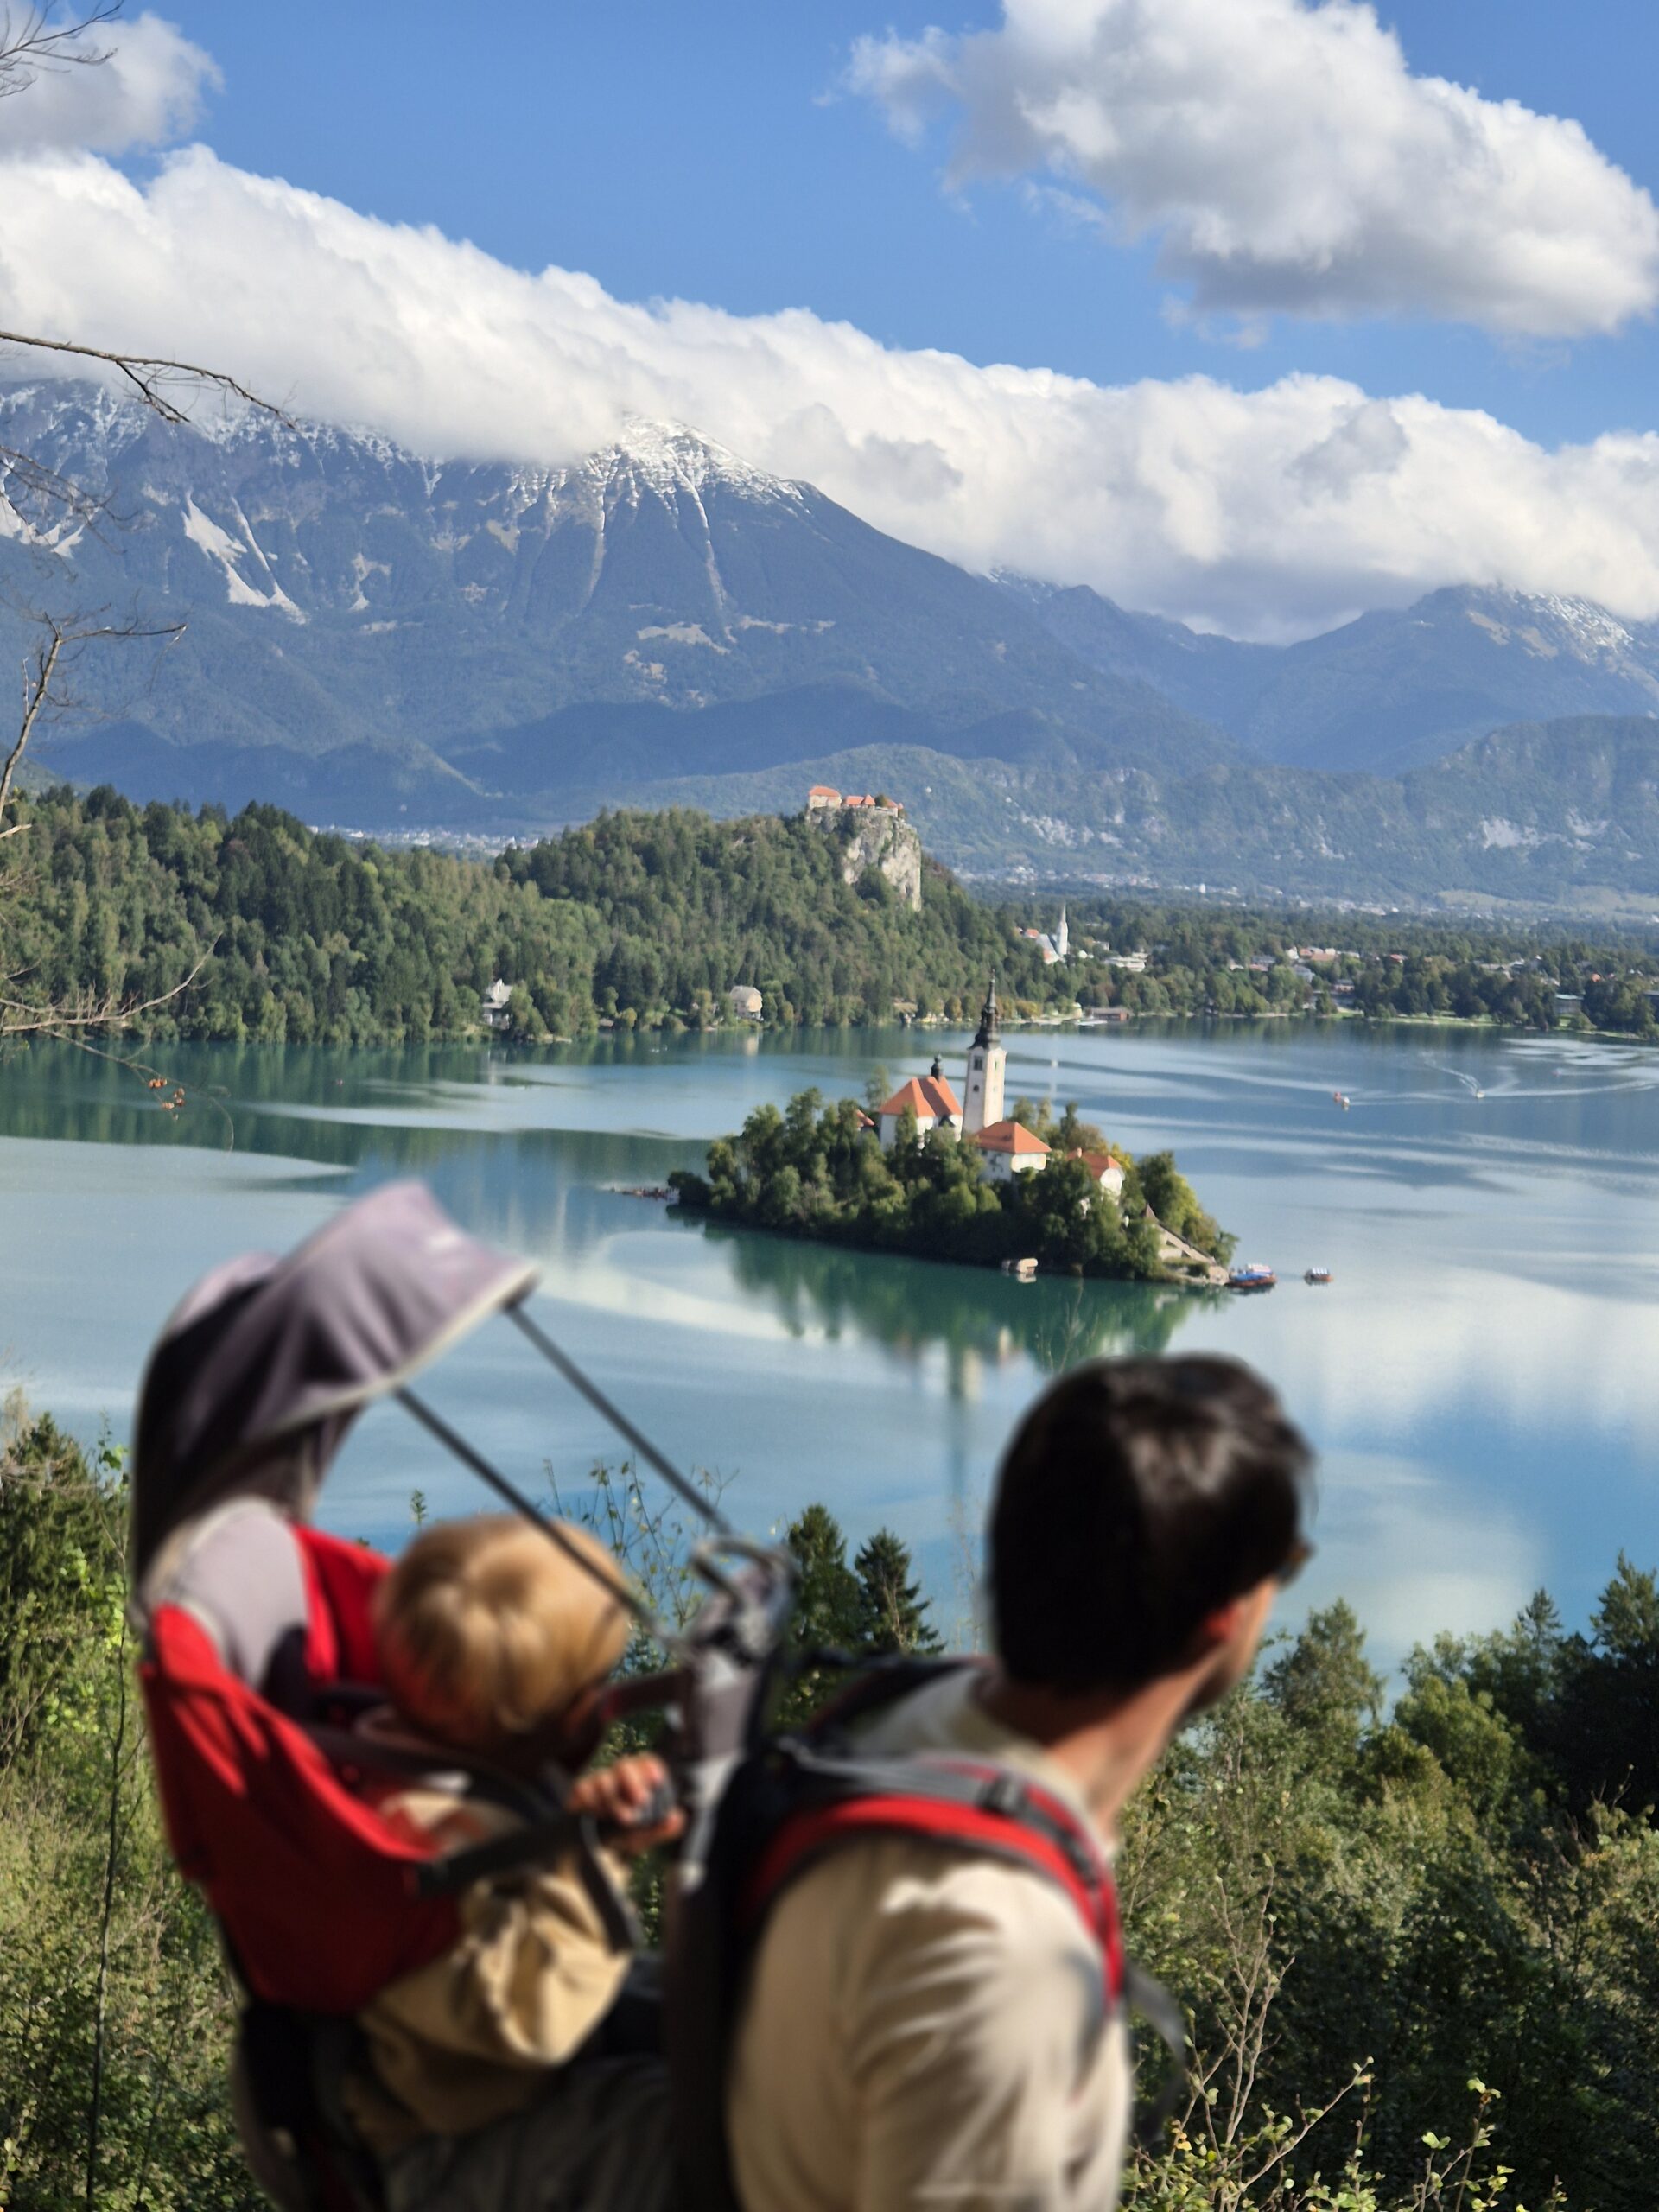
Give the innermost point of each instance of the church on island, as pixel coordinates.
(1009, 1148)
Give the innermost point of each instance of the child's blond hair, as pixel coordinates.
(486, 1631)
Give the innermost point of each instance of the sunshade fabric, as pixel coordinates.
(265, 1354)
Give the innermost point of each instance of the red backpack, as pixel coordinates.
(791, 1802)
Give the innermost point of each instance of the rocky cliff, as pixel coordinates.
(873, 837)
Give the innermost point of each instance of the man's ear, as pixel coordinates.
(1218, 1628)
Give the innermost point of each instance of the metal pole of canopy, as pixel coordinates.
(614, 1586)
(573, 1374)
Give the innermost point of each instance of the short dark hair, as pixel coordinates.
(1136, 1497)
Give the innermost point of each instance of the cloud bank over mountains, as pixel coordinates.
(129, 84)
(1269, 512)
(1286, 160)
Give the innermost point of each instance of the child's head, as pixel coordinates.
(486, 1631)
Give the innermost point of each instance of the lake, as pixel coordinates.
(1478, 1378)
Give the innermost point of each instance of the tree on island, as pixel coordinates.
(819, 1172)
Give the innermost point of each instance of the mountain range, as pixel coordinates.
(382, 640)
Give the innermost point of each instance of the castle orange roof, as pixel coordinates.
(823, 791)
(1009, 1136)
(927, 1096)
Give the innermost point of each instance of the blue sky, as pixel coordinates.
(1307, 309)
(703, 153)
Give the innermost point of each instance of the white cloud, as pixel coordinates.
(1274, 511)
(1288, 161)
(147, 91)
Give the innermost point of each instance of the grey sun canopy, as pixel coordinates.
(262, 1367)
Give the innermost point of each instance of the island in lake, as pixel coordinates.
(921, 1174)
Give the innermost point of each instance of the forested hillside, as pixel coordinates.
(299, 937)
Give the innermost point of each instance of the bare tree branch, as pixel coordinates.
(65, 635)
(150, 373)
(18, 1018)
(32, 42)
(26, 482)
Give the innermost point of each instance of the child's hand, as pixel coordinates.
(619, 1796)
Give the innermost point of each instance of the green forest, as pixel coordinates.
(1415, 1941)
(297, 936)
(820, 1172)
(254, 929)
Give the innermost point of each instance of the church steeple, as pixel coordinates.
(988, 1032)
(983, 1104)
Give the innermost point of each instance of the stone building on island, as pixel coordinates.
(987, 1064)
(1008, 1148)
(930, 1098)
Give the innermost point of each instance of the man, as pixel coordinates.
(927, 2027)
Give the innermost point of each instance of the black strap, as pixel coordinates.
(348, 1748)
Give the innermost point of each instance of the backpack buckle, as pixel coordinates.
(1004, 1794)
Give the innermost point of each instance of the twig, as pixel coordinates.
(147, 372)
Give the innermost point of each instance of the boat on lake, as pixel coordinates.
(1320, 1275)
(1252, 1276)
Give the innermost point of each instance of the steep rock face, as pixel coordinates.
(871, 838)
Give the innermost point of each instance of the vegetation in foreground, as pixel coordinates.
(820, 1172)
(1419, 1948)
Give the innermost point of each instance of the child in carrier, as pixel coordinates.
(494, 1642)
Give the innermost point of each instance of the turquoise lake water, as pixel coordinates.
(1480, 1378)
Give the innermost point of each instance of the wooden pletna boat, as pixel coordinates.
(1318, 1275)
(1253, 1275)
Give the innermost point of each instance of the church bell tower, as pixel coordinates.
(987, 1064)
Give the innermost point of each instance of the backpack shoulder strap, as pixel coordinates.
(964, 1804)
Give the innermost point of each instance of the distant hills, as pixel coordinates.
(380, 640)
(1386, 692)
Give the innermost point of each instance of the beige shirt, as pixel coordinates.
(469, 2037)
(926, 2028)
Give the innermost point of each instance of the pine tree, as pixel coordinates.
(892, 1613)
(827, 1604)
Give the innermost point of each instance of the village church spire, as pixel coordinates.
(987, 1065)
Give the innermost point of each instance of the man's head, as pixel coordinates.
(1144, 1509)
(488, 1634)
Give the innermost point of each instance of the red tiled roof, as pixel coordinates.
(928, 1096)
(823, 791)
(1098, 1163)
(1008, 1137)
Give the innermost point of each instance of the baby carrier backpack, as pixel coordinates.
(259, 1655)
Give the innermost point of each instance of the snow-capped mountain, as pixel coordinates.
(1386, 692)
(375, 635)
(520, 631)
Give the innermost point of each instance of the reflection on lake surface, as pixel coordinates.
(1477, 1378)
